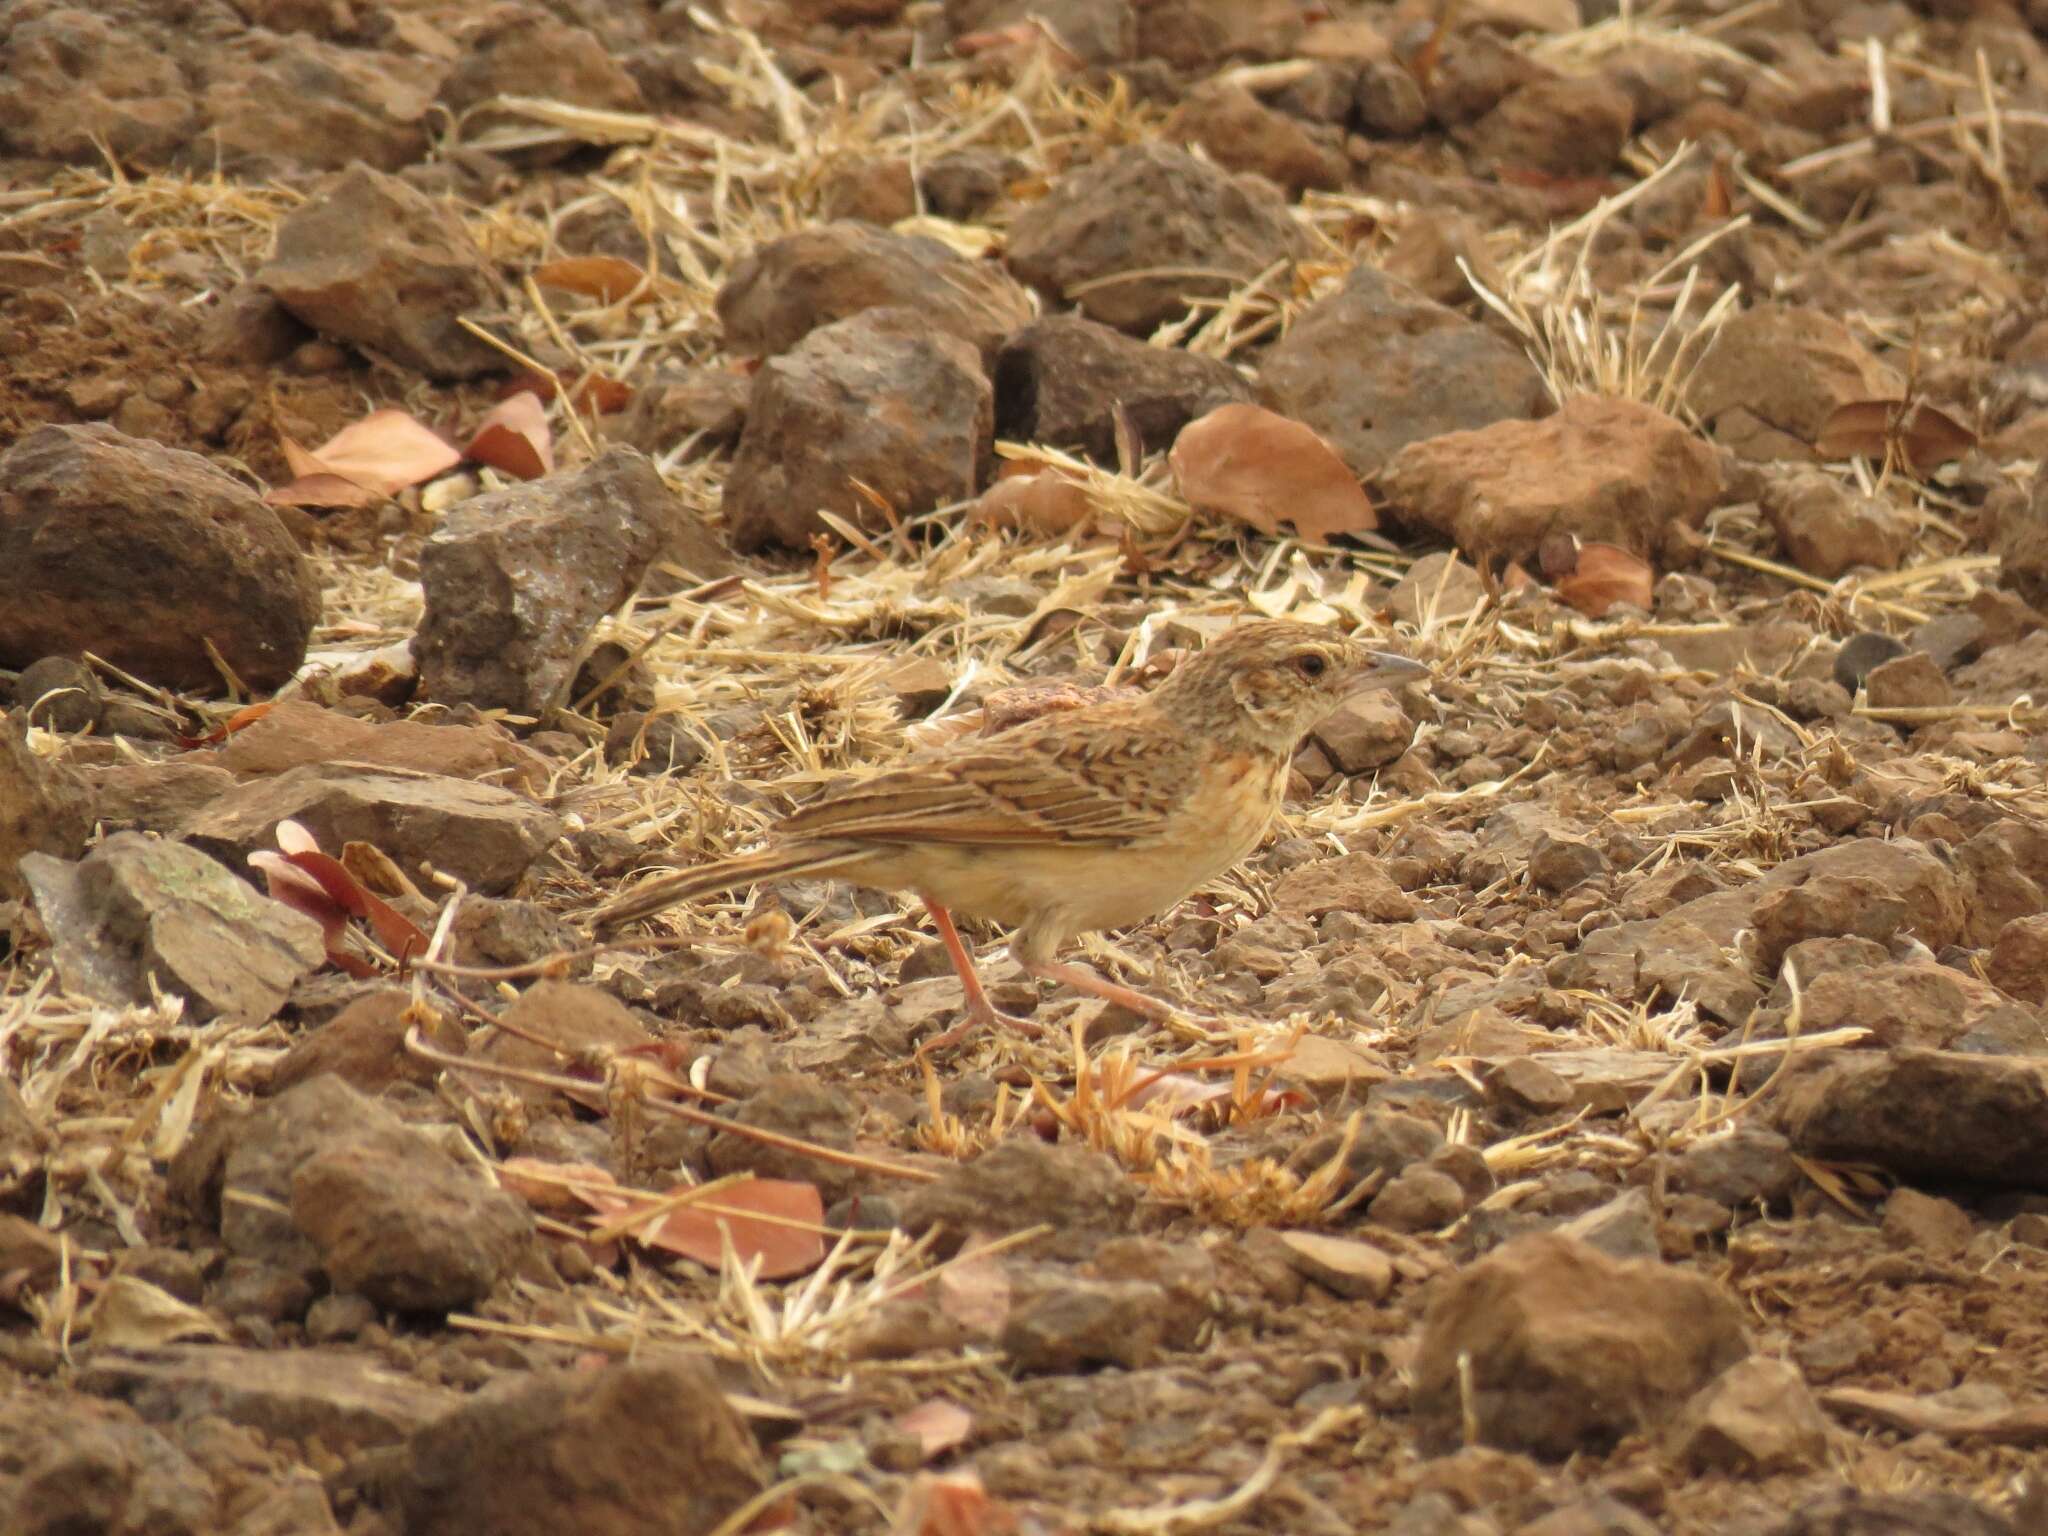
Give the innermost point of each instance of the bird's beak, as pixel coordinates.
(1383, 669)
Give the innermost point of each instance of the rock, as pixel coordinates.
(1823, 906)
(1568, 1349)
(1560, 861)
(1911, 681)
(644, 1445)
(2023, 548)
(402, 1226)
(146, 556)
(882, 398)
(2005, 876)
(1342, 1266)
(1624, 1228)
(1562, 126)
(791, 1104)
(783, 291)
(1601, 1515)
(1747, 1165)
(2002, 674)
(1527, 1087)
(1197, 35)
(484, 836)
(363, 1045)
(1789, 368)
(138, 915)
(44, 807)
(1605, 470)
(1439, 588)
(1939, 1228)
(1060, 1323)
(521, 50)
(297, 731)
(1918, 1004)
(1351, 882)
(1827, 530)
(76, 1466)
(1242, 133)
(1929, 1512)
(345, 1401)
(1059, 381)
(1755, 1417)
(1938, 1116)
(75, 86)
(373, 262)
(516, 580)
(2018, 965)
(1375, 366)
(1016, 1184)
(967, 183)
(1093, 31)
(1365, 733)
(1418, 1199)
(1950, 640)
(282, 103)
(1388, 100)
(1608, 1080)
(321, 1178)
(60, 694)
(1149, 208)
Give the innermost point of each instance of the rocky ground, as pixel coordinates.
(455, 458)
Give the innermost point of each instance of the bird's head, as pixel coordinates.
(1274, 680)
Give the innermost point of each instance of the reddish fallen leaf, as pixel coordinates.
(317, 884)
(1607, 575)
(938, 1424)
(547, 1186)
(607, 279)
(1717, 199)
(1925, 436)
(514, 437)
(241, 719)
(364, 462)
(1258, 466)
(954, 1504)
(1560, 194)
(1018, 41)
(1046, 502)
(695, 1231)
(594, 394)
(974, 1291)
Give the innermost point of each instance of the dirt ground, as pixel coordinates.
(1514, 959)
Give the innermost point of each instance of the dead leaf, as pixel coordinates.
(133, 1314)
(1924, 437)
(321, 887)
(1046, 503)
(551, 1188)
(695, 1231)
(1606, 575)
(514, 437)
(938, 1424)
(594, 394)
(241, 719)
(607, 279)
(954, 1504)
(974, 1291)
(364, 462)
(1254, 464)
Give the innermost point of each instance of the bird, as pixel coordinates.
(1094, 817)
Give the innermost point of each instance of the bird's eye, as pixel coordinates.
(1311, 665)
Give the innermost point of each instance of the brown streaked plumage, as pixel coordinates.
(1093, 817)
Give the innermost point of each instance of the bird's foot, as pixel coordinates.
(980, 1014)
(1081, 979)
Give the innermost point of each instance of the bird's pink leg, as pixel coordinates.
(980, 1011)
(1081, 979)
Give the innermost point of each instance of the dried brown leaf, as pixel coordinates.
(514, 437)
(365, 461)
(1265, 469)
(607, 279)
(1606, 575)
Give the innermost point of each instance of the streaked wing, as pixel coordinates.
(1031, 786)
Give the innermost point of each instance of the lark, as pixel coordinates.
(1094, 817)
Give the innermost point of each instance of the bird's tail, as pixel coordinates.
(651, 896)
